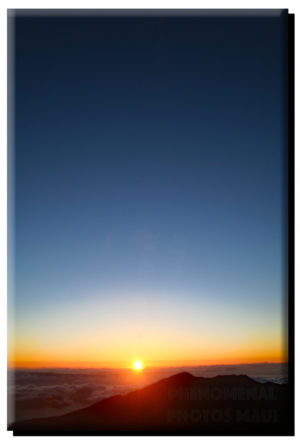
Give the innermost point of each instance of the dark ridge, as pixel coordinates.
(182, 377)
(241, 379)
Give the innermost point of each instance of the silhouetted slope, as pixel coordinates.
(181, 403)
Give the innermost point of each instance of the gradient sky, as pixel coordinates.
(149, 190)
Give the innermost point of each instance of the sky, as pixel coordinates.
(149, 191)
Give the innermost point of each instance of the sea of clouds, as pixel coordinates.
(49, 392)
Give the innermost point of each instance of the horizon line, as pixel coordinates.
(147, 367)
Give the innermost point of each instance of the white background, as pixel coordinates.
(6, 437)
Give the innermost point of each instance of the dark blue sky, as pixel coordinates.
(149, 156)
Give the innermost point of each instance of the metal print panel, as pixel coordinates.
(150, 222)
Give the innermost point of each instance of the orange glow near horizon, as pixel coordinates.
(44, 361)
(176, 351)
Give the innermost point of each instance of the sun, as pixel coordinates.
(138, 365)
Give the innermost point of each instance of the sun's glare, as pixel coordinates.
(138, 365)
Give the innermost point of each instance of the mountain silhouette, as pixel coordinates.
(180, 404)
